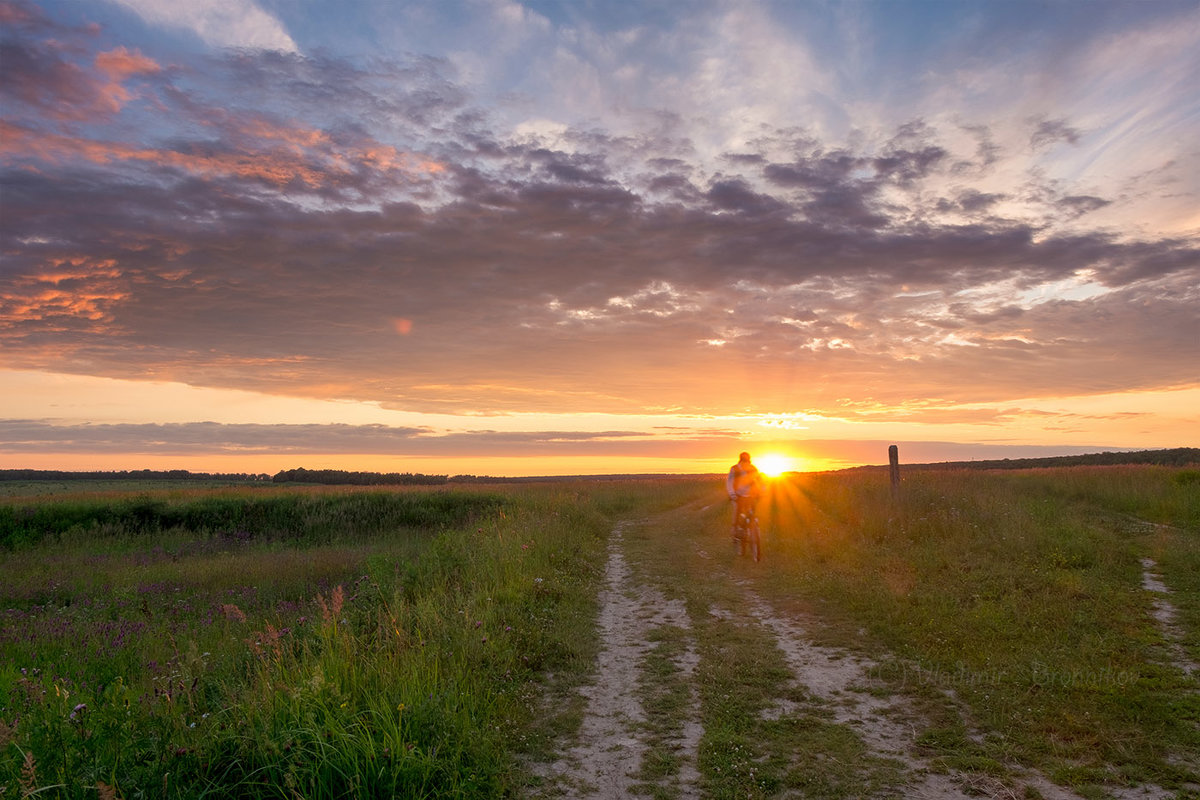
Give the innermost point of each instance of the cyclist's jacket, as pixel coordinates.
(744, 481)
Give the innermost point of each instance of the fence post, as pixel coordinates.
(894, 465)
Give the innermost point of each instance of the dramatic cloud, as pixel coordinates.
(650, 218)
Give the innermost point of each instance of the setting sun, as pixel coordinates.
(773, 464)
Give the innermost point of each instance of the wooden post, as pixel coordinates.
(894, 462)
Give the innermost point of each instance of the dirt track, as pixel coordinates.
(605, 761)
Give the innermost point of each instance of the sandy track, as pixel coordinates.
(1166, 615)
(606, 759)
(883, 722)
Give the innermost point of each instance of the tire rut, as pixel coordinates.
(841, 682)
(605, 762)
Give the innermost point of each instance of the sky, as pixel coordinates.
(501, 238)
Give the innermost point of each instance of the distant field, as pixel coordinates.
(31, 490)
(188, 641)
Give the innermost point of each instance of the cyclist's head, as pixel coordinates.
(744, 457)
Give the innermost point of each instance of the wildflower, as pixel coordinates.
(330, 609)
(28, 775)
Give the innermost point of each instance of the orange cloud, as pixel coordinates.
(296, 162)
(78, 268)
(116, 66)
(58, 303)
(299, 138)
(42, 297)
(120, 63)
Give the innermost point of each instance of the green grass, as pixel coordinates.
(295, 515)
(746, 751)
(1019, 591)
(1005, 608)
(666, 698)
(311, 643)
(287, 641)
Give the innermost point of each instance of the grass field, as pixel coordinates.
(1007, 608)
(322, 642)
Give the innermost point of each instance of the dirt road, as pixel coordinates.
(608, 759)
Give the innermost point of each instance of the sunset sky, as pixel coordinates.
(554, 237)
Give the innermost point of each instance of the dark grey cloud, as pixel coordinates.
(1078, 205)
(19, 437)
(974, 201)
(1052, 131)
(204, 438)
(736, 195)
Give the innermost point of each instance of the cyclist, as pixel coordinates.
(745, 486)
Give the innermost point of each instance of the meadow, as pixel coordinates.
(1005, 610)
(311, 641)
(325, 642)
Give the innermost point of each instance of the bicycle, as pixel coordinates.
(746, 533)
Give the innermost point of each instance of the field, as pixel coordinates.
(1029, 633)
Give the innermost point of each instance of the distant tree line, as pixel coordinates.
(622, 476)
(1174, 457)
(127, 475)
(344, 478)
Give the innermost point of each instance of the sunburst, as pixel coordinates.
(774, 464)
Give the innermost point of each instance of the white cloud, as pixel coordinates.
(737, 72)
(1127, 95)
(220, 23)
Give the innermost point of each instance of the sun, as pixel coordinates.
(774, 464)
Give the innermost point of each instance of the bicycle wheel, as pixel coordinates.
(755, 540)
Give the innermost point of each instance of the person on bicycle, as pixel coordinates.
(745, 486)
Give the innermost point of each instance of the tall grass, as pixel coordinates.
(1019, 592)
(1005, 609)
(308, 516)
(295, 642)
